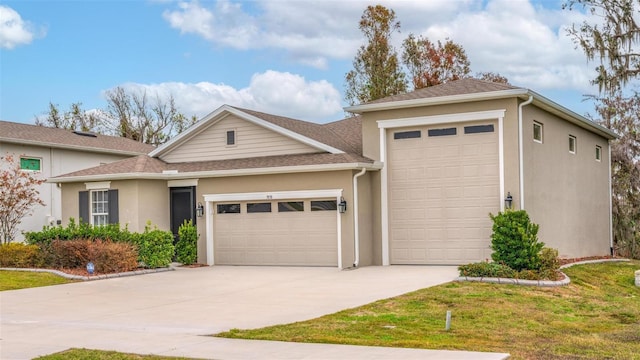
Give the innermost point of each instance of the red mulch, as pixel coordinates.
(574, 260)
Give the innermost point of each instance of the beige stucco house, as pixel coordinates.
(410, 180)
(51, 152)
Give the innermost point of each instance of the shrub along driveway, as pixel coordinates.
(160, 313)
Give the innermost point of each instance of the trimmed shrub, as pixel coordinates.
(515, 240)
(75, 231)
(549, 263)
(155, 247)
(19, 255)
(486, 269)
(110, 257)
(68, 253)
(187, 245)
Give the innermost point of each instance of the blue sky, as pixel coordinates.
(285, 57)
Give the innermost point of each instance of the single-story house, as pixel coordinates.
(52, 152)
(411, 179)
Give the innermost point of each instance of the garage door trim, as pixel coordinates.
(210, 199)
(383, 125)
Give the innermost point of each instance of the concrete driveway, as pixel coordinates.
(165, 313)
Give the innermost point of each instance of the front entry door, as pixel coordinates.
(182, 204)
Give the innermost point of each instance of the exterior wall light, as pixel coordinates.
(508, 201)
(199, 210)
(342, 206)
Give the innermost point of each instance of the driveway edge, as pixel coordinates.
(91, 278)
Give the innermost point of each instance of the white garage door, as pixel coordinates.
(443, 183)
(283, 232)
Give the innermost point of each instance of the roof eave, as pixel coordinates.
(219, 173)
(403, 104)
(70, 147)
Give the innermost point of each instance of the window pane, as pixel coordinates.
(598, 153)
(324, 205)
(478, 129)
(537, 132)
(30, 164)
(231, 137)
(443, 132)
(407, 135)
(259, 207)
(228, 208)
(290, 206)
(572, 144)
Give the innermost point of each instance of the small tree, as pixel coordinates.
(18, 196)
(514, 240)
(431, 63)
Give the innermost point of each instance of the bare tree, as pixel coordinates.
(76, 118)
(18, 196)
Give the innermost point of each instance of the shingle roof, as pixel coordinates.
(350, 130)
(51, 137)
(145, 164)
(457, 87)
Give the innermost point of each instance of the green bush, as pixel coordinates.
(155, 247)
(515, 240)
(75, 231)
(19, 255)
(187, 245)
(486, 269)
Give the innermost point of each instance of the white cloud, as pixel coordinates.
(273, 92)
(526, 43)
(13, 30)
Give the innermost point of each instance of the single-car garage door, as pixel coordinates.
(283, 232)
(443, 183)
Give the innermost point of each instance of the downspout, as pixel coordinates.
(521, 149)
(356, 227)
(610, 202)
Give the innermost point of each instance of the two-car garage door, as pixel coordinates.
(278, 232)
(443, 183)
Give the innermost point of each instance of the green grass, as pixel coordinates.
(84, 354)
(597, 316)
(14, 280)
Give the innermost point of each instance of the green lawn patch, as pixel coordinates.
(84, 354)
(14, 280)
(597, 316)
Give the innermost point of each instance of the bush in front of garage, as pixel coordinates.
(154, 248)
(517, 253)
(186, 247)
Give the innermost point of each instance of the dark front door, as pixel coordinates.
(183, 207)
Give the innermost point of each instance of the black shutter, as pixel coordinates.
(83, 207)
(113, 207)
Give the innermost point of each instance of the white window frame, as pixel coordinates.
(573, 149)
(598, 153)
(95, 215)
(539, 141)
(226, 137)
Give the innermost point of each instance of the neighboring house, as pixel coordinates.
(51, 152)
(418, 173)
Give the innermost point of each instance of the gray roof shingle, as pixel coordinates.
(60, 138)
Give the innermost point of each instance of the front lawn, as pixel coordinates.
(14, 280)
(597, 316)
(82, 354)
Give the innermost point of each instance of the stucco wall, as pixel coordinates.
(54, 162)
(567, 194)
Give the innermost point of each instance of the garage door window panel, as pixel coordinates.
(290, 206)
(258, 207)
(407, 135)
(228, 208)
(324, 205)
(443, 132)
(478, 129)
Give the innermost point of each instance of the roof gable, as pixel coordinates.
(27, 134)
(297, 130)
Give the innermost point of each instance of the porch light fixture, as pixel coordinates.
(342, 206)
(508, 201)
(199, 210)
